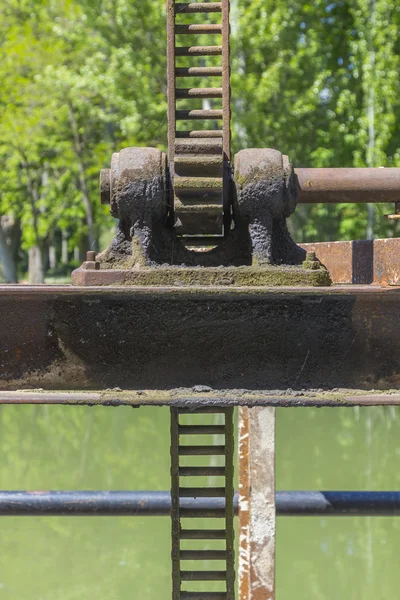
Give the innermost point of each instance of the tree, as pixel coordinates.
(82, 80)
(304, 81)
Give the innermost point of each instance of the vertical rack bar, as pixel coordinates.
(171, 85)
(181, 575)
(229, 513)
(175, 516)
(226, 107)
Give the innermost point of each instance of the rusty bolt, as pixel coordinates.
(311, 261)
(105, 186)
(91, 262)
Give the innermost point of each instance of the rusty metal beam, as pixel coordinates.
(93, 340)
(360, 262)
(348, 185)
(256, 503)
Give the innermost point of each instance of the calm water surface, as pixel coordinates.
(61, 558)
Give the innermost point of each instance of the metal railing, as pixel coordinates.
(158, 503)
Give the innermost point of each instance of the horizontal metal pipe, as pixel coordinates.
(348, 185)
(338, 503)
(145, 503)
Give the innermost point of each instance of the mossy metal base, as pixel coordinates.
(269, 275)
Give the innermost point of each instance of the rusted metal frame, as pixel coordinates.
(337, 185)
(256, 497)
(175, 506)
(328, 346)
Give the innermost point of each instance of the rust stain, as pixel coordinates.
(256, 504)
(18, 354)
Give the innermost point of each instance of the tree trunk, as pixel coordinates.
(52, 257)
(35, 265)
(78, 148)
(7, 259)
(64, 248)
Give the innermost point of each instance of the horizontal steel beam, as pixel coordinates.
(157, 504)
(189, 346)
(348, 185)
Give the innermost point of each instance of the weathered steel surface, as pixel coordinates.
(256, 503)
(348, 185)
(77, 339)
(360, 262)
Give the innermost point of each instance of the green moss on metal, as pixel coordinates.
(254, 276)
(200, 395)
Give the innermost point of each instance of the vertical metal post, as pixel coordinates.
(256, 503)
(175, 516)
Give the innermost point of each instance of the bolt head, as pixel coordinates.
(91, 255)
(105, 186)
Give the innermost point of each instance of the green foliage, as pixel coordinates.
(320, 82)
(81, 80)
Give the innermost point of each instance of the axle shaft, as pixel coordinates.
(348, 185)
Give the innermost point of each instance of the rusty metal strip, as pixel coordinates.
(256, 497)
(244, 508)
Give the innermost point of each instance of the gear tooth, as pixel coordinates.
(199, 163)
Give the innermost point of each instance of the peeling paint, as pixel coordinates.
(256, 503)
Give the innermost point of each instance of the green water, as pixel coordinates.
(100, 558)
